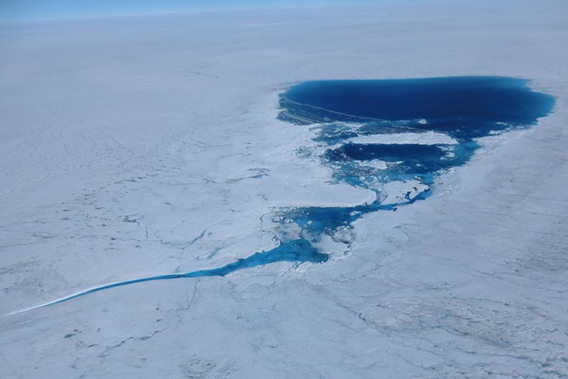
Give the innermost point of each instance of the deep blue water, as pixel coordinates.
(464, 108)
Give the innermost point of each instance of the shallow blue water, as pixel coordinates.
(464, 108)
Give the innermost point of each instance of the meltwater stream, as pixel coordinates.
(353, 117)
(291, 251)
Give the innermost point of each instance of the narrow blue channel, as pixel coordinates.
(292, 251)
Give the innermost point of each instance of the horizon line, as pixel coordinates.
(335, 4)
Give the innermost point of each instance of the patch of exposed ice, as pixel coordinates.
(428, 138)
(376, 163)
(399, 192)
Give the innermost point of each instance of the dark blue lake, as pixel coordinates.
(462, 109)
(465, 107)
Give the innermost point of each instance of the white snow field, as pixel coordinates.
(147, 145)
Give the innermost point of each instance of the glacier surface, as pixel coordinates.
(143, 146)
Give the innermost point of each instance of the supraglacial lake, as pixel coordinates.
(461, 109)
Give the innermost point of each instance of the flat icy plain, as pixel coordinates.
(140, 146)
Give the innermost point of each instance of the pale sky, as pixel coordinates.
(13, 10)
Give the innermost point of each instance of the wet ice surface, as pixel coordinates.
(449, 113)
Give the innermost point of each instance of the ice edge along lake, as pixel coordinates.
(393, 137)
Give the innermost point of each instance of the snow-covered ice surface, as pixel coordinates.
(143, 146)
(428, 138)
